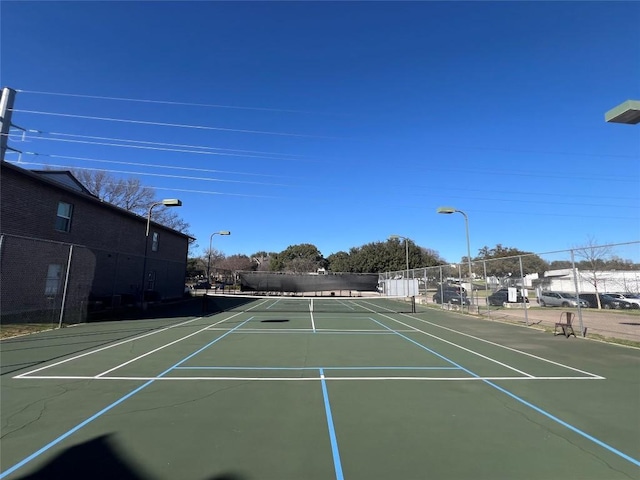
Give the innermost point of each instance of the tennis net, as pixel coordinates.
(255, 303)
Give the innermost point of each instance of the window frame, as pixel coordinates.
(63, 219)
(53, 279)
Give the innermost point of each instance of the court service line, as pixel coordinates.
(163, 347)
(509, 367)
(107, 408)
(316, 368)
(305, 330)
(298, 379)
(23, 375)
(337, 464)
(537, 357)
(531, 405)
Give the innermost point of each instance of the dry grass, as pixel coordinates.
(17, 330)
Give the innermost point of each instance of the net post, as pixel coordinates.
(413, 304)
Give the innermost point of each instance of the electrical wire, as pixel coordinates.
(182, 177)
(151, 165)
(144, 147)
(181, 145)
(173, 125)
(415, 192)
(167, 102)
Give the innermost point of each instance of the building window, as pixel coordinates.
(63, 219)
(154, 242)
(54, 275)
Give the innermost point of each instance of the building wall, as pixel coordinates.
(108, 254)
(608, 281)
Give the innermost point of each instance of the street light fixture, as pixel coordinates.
(627, 112)
(167, 202)
(221, 232)
(406, 245)
(448, 211)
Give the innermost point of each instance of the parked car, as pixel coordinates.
(500, 297)
(634, 300)
(561, 299)
(456, 296)
(606, 301)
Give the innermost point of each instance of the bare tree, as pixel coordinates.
(262, 261)
(129, 194)
(595, 257)
(237, 263)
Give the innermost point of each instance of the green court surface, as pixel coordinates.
(262, 392)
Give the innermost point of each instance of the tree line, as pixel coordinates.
(391, 256)
(373, 257)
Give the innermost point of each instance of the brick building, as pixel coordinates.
(63, 250)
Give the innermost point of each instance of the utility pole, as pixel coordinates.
(6, 109)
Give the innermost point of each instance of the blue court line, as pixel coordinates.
(524, 402)
(337, 465)
(109, 407)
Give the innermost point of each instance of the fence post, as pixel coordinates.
(524, 301)
(575, 283)
(66, 286)
(486, 288)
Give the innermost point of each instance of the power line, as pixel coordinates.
(167, 102)
(145, 147)
(169, 144)
(299, 186)
(196, 152)
(206, 179)
(151, 165)
(173, 125)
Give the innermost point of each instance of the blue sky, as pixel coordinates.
(339, 124)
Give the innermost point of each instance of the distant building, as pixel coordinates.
(63, 248)
(611, 281)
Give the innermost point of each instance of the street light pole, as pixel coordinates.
(167, 202)
(406, 246)
(448, 211)
(221, 232)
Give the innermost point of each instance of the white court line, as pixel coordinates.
(417, 330)
(598, 377)
(473, 352)
(300, 379)
(501, 346)
(338, 331)
(163, 347)
(23, 375)
(313, 323)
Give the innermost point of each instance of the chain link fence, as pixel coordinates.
(536, 288)
(46, 282)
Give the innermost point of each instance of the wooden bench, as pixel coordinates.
(565, 324)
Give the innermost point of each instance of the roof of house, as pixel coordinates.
(65, 177)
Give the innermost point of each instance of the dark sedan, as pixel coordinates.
(453, 296)
(500, 297)
(606, 301)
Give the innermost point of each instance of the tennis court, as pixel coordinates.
(279, 388)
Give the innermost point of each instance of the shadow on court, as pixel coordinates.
(99, 459)
(32, 350)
